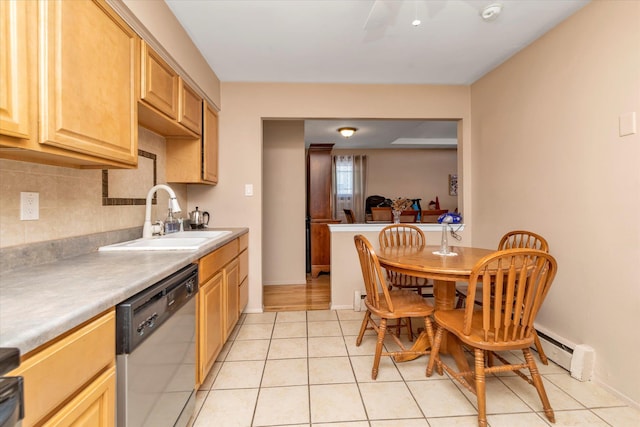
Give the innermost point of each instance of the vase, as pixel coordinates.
(444, 242)
(396, 216)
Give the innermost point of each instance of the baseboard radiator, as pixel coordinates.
(578, 359)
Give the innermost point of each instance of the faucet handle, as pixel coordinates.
(157, 228)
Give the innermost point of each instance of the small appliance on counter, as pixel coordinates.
(11, 389)
(197, 219)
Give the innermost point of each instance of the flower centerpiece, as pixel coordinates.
(399, 205)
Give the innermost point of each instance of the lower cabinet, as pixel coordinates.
(71, 381)
(232, 276)
(220, 300)
(209, 324)
(94, 406)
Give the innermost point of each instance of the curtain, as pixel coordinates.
(349, 185)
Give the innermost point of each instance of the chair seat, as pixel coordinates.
(411, 303)
(453, 320)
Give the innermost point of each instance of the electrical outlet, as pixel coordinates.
(29, 206)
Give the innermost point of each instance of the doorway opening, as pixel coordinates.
(411, 166)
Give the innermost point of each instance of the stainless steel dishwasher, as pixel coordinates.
(155, 347)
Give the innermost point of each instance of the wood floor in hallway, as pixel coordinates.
(314, 295)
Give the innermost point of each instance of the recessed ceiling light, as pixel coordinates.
(491, 12)
(416, 22)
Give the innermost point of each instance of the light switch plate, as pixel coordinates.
(248, 189)
(628, 124)
(29, 206)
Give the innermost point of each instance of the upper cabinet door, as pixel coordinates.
(89, 68)
(210, 145)
(160, 82)
(15, 69)
(190, 111)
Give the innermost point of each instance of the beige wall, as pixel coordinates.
(241, 144)
(283, 209)
(71, 199)
(547, 157)
(415, 174)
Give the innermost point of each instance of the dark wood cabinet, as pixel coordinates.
(319, 207)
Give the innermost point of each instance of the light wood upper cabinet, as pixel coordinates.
(89, 74)
(167, 104)
(69, 74)
(210, 145)
(190, 108)
(159, 85)
(16, 72)
(195, 161)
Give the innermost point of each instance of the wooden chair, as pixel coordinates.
(521, 279)
(351, 218)
(386, 304)
(404, 235)
(513, 239)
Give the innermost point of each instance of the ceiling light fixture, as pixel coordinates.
(416, 21)
(491, 12)
(347, 132)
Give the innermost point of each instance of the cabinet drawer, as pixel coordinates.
(58, 371)
(244, 241)
(217, 259)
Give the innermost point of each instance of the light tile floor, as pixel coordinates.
(303, 369)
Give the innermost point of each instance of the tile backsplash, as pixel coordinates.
(71, 199)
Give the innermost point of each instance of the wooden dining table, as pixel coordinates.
(445, 272)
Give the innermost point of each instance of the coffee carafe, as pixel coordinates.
(198, 219)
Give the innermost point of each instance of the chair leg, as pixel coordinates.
(461, 300)
(541, 354)
(409, 330)
(382, 329)
(428, 325)
(481, 394)
(537, 383)
(363, 328)
(435, 348)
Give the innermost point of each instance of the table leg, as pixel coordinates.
(444, 293)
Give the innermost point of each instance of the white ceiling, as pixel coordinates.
(363, 41)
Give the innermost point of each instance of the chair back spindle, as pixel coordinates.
(374, 281)
(523, 239)
(514, 285)
(397, 235)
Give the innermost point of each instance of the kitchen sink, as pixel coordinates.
(208, 234)
(158, 244)
(181, 241)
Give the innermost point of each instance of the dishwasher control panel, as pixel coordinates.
(139, 316)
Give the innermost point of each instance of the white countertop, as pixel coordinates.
(39, 303)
